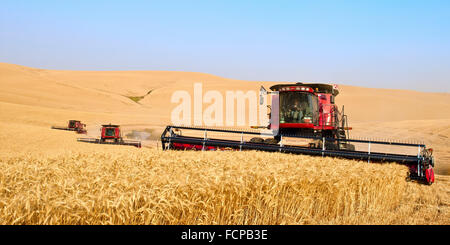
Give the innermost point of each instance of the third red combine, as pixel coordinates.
(111, 134)
(303, 111)
(73, 125)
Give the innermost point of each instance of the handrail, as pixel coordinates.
(293, 136)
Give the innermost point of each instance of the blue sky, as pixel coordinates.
(378, 43)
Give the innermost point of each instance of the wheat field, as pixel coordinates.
(148, 186)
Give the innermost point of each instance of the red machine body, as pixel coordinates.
(429, 175)
(78, 126)
(110, 132)
(307, 109)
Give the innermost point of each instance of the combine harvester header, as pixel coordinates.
(302, 112)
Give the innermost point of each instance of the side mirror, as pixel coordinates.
(262, 94)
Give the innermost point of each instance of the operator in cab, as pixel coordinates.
(296, 112)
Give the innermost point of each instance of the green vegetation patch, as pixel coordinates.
(138, 98)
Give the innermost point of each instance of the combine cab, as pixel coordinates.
(111, 134)
(303, 112)
(74, 125)
(308, 110)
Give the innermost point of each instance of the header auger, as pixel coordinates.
(306, 113)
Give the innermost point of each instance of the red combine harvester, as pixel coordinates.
(112, 135)
(303, 112)
(74, 125)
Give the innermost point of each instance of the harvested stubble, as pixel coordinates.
(148, 186)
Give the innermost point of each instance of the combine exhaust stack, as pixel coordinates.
(111, 135)
(305, 113)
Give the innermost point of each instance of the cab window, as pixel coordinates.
(298, 107)
(110, 132)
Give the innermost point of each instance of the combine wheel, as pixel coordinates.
(315, 144)
(351, 147)
(331, 146)
(271, 141)
(256, 140)
(348, 147)
(328, 145)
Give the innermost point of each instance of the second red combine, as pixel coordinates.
(111, 134)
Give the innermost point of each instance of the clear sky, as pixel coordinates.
(378, 43)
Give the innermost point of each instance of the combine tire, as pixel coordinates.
(315, 144)
(328, 145)
(271, 141)
(348, 147)
(331, 146)
(256, 140)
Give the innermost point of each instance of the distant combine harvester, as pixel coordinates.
(73, 125)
